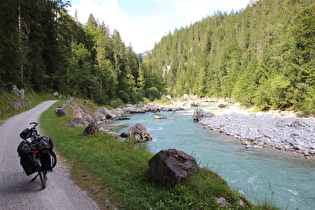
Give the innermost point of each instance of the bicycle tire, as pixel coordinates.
(42, 177)
(54, 159)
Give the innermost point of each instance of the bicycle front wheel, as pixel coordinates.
(43, 177)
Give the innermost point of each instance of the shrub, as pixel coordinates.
(116, 103)
(123, 96)
(146, 101)
(152, 93)
(135, 96)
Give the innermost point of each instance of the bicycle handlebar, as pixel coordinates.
(34, 123)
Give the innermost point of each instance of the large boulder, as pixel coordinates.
(139, 133)
(91, 129)
(56, 94)
(60, 112)
(116, 112)
(82, 112)
(133, 110)
(18, 93)
(77, 122)
(171, 108)
(200, 113)
(99, 117)
(170, 167)
(153, 109)
(195, 104)
(140, 110)
(105, 112)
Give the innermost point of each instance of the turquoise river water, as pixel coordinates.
(282, 179)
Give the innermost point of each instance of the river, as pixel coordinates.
(282, 179)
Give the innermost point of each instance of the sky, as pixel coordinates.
(142, 23)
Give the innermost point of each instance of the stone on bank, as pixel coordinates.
(172, 166)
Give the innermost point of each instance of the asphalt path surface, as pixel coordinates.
(16, 189)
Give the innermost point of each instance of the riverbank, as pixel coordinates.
(281, 130)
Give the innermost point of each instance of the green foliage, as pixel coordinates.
(11, 105)
(116, 103)
(303, 30)
(123, 96)
(152, 93)
(53, 51)
(163, 101)
(244, 89)
(135, 96)
(79, 78)
(260, 56)
(278, 89)
(308, 107)
(119, 172)
(146, 101)
(9, 48)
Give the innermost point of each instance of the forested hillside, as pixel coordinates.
(262, 55)
(43, 48)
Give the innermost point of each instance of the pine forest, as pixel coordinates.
(260, 56)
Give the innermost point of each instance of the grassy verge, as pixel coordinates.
(117, 173)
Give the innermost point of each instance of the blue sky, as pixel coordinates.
(142, 23)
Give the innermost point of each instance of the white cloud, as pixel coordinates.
(143, 31)
(109, 12)
(193, 11)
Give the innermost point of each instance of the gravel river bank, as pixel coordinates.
(259, 130)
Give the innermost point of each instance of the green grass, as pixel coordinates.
(7, 99)
(117, 174)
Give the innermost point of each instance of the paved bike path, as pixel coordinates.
(16, 189)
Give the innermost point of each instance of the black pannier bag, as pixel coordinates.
(26, 133)
(24, 151)
(45, 144)
(28, 164)
(49, 160)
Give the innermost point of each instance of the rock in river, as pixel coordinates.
(139, 133)
(200, 113)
